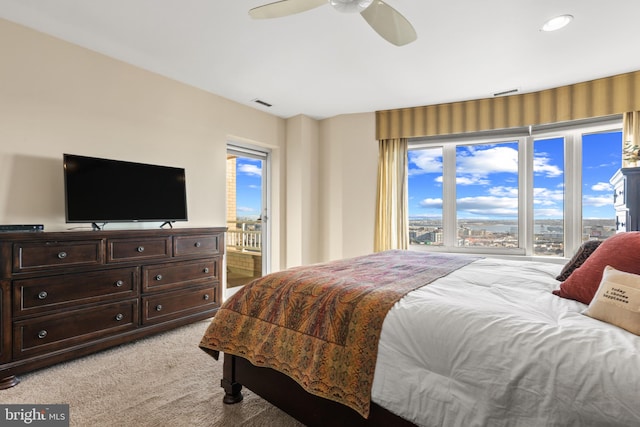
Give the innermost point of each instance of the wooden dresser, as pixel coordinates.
(69, 294)
(626, 199)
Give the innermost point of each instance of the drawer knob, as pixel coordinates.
(197, 244)
(119, 316)
(42, 334)
(62, 255)
(140, 248)
(43, 295)
(206, 297)
(158, 277)
(119, 283)
(159, 307)
(205, 270)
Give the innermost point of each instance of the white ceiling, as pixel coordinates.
(322, 63)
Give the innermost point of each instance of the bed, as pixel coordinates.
(462, 341)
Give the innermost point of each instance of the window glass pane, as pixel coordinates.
(475, 196)
(425, 196)
(487, 194)
(548, 197)
(600, 160)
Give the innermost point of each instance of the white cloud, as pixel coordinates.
(489, 205)
(598, 201)
(502, 191)
(483, 162)
(541, 166)
(602, 186)
(426, 161)
(547, 196)
(474, 163)
(472, 180)
(244, 209)
(431, 203)
(249, 169)
(549, 213)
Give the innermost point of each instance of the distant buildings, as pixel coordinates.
(548, 240)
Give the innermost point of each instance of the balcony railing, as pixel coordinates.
(244, 236)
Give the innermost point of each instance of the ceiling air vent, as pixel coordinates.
(261, 102)
(506, 92)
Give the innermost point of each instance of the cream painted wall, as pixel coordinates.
(58, 98)
(303, 191)
(349, 167)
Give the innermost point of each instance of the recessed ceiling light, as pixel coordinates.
(556, 23)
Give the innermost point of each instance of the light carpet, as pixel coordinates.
(163, 380)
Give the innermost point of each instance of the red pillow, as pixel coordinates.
(621, 251)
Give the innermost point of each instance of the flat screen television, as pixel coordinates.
(103, 190)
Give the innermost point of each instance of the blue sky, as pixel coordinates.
(487, 179)
(248, 187)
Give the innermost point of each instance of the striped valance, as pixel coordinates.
(602, 97)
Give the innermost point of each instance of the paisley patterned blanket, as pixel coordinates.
(320, 324)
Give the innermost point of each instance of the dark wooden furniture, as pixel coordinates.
(283, 392)
(69, 294)
(626, 199)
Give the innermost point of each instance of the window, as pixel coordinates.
(538, 191)
(548, 196)
(487, 194)
(425, 192)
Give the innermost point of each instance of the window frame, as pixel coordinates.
(572, 132)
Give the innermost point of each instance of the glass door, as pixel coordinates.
(247, 214)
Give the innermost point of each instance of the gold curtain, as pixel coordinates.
(596, 98)
(631, 139)
(392, 216)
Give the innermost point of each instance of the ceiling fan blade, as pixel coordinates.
(284, 8)
(389, 23)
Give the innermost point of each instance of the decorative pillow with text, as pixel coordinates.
(617, 300)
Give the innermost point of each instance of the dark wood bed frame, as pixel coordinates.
(285, 393)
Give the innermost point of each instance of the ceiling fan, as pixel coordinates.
(384, 19)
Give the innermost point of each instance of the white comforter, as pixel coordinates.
(489, 345)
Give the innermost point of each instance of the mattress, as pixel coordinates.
(490, 345)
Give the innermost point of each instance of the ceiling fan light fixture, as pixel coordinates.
(350, 6)
(557, 22)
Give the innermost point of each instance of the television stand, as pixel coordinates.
(68, 294)
(96, 227)
(169, 223)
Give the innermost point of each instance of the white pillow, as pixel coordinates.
(617, 300)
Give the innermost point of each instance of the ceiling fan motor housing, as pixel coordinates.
(350, 6)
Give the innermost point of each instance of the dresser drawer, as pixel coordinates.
(38, 295)
(194, 245)
(29, 256)
(5, 321)
(123, 250)
(166, 276)
(172, 305)
(48, 333)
